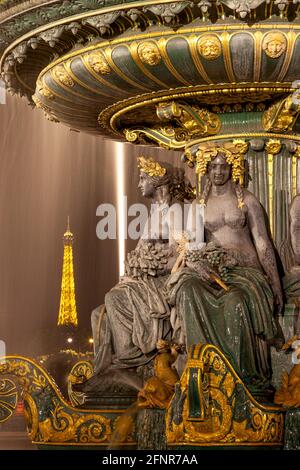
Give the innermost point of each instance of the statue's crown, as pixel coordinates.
(150, 166)
(233, 153)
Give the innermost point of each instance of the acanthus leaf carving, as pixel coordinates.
(53, 35)
(104, 21)
(168, 11)
(20, 52)
(134, 13)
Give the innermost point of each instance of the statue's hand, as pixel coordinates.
(202, 270)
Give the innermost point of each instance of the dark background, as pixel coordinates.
(48, 172)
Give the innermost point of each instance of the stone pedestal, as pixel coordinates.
(292, 429)
(151, 430)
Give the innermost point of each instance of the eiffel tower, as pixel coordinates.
(67, 315)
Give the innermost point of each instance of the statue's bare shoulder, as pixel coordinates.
(295, 206)
(251, 201)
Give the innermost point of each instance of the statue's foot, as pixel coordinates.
(263, 391)
(112, 381)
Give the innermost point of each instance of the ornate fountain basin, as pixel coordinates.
(223, 64)
(98, 66)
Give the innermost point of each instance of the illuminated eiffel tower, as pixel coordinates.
(67, 315)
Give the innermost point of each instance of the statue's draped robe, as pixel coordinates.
(239, 321)
(291, 280)
(136, 317)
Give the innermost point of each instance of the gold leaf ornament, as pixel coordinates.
(61, 74)
(150, 167)
(274, 44)
(98, 63)
(149, 53)
(209, 47)
(273, 146)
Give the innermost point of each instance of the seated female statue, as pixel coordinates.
(238, 317)
(136, 314)
(290, 254)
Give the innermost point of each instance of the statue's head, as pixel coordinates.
(220, 164)
(152, 176)
(219, 170)
(226, 161)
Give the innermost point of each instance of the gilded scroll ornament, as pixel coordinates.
(149, 53)
(209, 47)
(131, 135)
(60, 74)
(191, 120)
(274, 44)
(63, 426)
(49, 418)
(282, 116)
(226, 413)
(81, 371)
(31, 415)
(165, 136)
(181, 123)
(98, 63)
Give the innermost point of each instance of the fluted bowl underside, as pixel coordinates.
(215, 65)
(100, 65)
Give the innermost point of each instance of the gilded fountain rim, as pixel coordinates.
(108, 117)
(35, 363)
(226, 27)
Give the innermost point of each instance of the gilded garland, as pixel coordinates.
(151, 167)
(234, 154)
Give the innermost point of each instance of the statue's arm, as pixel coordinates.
(264, 246)
(295, 227)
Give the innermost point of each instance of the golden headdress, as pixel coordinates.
(150, 166)
(234, 154)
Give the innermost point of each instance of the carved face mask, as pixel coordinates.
(274, 48)
(219, 171)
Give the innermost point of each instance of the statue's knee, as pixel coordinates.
(109, 298)
(95, 314)
(190, 285)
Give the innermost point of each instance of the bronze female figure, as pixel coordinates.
(240, 320)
